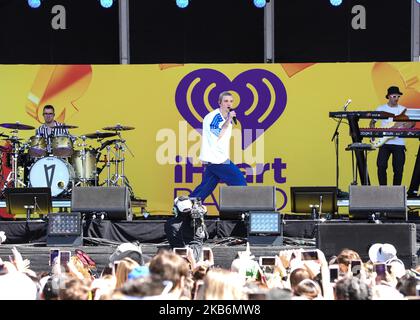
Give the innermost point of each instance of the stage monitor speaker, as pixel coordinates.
(113, 202)
(235, 200)
(334, 237)
(385, 202)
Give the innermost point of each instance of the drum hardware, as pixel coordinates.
(16, 150)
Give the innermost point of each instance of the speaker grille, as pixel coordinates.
(391, 201)
(114, 201)
(334, 237)
(246, 198)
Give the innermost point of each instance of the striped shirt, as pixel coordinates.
(48, 133)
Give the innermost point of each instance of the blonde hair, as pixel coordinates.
(220, 284)
(223, 94)
(125, 266)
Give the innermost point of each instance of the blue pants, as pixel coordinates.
(213, 173)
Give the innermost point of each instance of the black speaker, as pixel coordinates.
(234, 200)
(114, 202)
(334, 237)
(388, 202)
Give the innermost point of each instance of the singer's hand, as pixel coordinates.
(231, 114)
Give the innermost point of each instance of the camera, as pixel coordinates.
(309, 255)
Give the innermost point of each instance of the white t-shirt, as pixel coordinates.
(387, 122)
(213, 149)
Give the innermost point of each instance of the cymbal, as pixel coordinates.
(100, 135)
(65, 126)
(118, 127)
(17, 126)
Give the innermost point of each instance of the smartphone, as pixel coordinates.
(309, 255)
(199, 287)
(267, 261)
(54, 253)
(206, 254)
(356, 266)
(181, 251)
(333, 273)
(257, 296)
(380, 269)
(64, 257)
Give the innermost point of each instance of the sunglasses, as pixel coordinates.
(48, 114)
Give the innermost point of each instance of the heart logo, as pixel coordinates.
(262, 99)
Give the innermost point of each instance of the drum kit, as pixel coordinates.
(66, 162)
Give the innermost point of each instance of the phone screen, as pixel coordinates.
(333, 274)
(268, 261)
(206, 254)
(380, 269)
(64, 257)
(53, 255)
(356, 266)
(309, 255)
(181, 251)
(257, 296)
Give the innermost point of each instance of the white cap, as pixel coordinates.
(382, 252)
(183, 204)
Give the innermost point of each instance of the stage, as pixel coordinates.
(226, 238)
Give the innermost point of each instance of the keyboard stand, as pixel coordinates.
(360, 147)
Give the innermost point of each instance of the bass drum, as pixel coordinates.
(51, 172)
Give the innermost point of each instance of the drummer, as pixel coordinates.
(47, 130)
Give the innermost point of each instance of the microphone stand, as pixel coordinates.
(335, 138)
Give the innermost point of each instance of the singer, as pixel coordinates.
(214, 153)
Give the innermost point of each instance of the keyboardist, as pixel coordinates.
(391, 144)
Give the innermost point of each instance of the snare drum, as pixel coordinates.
(37, 147)
(90, 164)
(51, 172)
(62, 146)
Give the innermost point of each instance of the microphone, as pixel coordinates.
(347, 104)
(233, 118)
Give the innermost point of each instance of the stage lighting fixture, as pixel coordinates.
(64, 229)
(107, 3)
(418, 1)
(336, 3)
(260, 3)
(34, 3)
(182, 3)
(264, 228)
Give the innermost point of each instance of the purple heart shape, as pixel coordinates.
(199, 81)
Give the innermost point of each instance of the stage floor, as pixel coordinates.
(226, 238)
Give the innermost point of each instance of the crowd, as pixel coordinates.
(290, 275)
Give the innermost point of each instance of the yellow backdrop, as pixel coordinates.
(298, 143)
